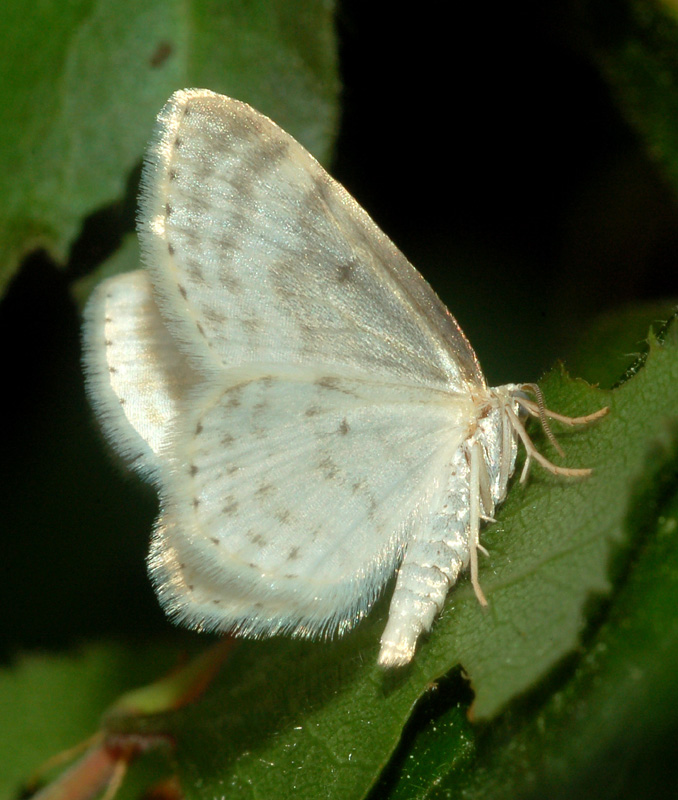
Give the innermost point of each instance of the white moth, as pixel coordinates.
(311, 414)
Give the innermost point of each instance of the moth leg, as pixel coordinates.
(538, 409)
(533, 453)
(476, 498)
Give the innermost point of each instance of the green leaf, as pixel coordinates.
(609, 730)
(614, 341)
(439, 745)
(49, 704)
(81, 83)
(319, 720)
(309, 718)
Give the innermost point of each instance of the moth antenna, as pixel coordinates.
(532, 451)
(541, 413)
(540, 410)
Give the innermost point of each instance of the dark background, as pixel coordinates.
(485, 144)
